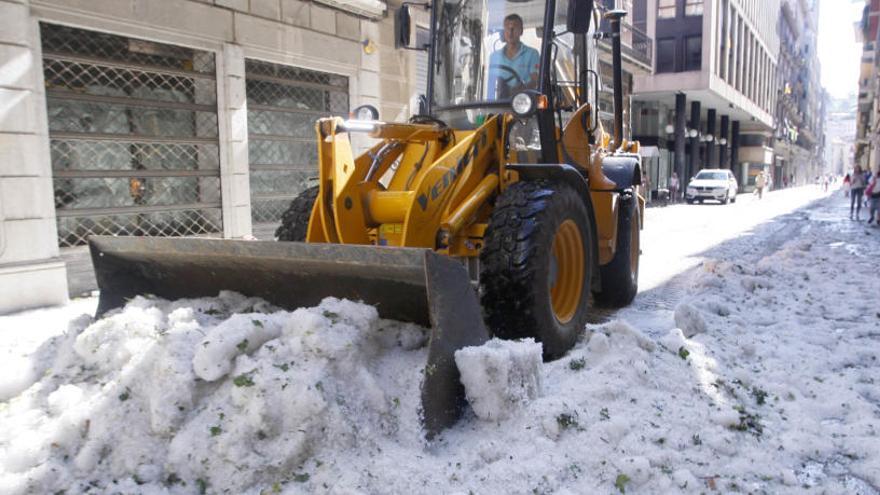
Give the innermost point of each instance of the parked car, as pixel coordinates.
(712, 183)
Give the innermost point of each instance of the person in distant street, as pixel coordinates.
(760, 182)
(825, 183)
(846, 185)
(857, 188)
(872, 193)
(673, 187)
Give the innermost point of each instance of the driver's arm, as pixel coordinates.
(534, 65)
(492, 82)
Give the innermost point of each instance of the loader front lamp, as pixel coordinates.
(524, 104)
(357, 126)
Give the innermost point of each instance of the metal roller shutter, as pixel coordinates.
(283, 104)
(133, 136)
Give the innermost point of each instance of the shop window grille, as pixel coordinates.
(283, 104)
(133, 136)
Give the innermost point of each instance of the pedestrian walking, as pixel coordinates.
(846, 185)
(673, 187)
(857, 188)
(872, 193)
(760, 182)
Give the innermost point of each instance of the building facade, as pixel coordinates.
(840, 131)
(799, 140)
(178, 117)
(710, 101)
(867, 144)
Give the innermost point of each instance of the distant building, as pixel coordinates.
(799, 138)
(711, 99)
(867, 144)
(840, 131)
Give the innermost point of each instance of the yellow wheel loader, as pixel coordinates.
(497, 210)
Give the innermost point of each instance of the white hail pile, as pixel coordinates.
(208, 394)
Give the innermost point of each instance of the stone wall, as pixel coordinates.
(31, 274)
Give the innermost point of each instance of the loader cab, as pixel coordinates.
(531, 58)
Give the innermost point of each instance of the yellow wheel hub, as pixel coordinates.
(567, 280)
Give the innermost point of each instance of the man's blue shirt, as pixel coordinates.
(524, 63)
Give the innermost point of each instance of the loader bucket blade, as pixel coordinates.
(406, 284)
(456, 322)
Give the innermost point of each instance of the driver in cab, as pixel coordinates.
(515, 65)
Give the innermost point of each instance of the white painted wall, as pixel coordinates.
(31, 274)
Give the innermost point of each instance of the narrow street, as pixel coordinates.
(680, 237)
(747, 363)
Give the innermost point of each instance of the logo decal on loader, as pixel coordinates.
(448, 178)
(438, 188)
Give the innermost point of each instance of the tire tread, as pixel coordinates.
(295, 220)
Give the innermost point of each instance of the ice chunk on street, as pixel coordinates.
(500, 376)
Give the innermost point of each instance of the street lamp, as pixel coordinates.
(693, 133)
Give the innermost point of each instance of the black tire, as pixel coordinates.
(726, 199)
(515, 265)
(690, 201)
(620, 276)
(733, 199)
(295, 221)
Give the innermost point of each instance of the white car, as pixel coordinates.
(712, 183)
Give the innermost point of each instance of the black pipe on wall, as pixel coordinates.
(695, 141)
(725, 134)
(680, 138)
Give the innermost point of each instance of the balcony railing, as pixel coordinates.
(634, 43)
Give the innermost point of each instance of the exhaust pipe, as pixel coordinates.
(614, 17)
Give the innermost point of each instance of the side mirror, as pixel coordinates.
(580, 13)
(402, 27)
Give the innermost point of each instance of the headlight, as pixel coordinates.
(523, 104)
(365, 113)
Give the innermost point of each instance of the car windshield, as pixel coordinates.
(487, 50)
(711, 176)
